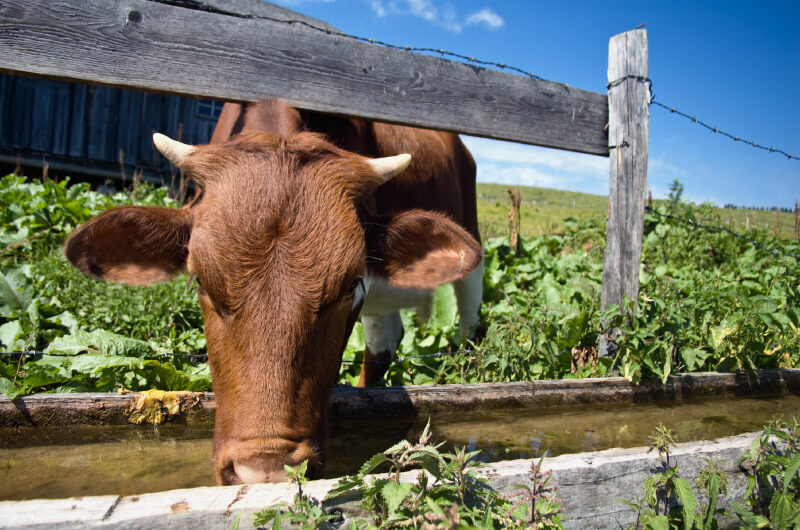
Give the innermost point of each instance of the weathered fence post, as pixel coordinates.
(628, 135)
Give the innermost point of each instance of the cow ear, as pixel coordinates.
(137, 245)
(420, 249)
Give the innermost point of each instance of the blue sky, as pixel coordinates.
(733, 64)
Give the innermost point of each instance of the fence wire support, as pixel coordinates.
(628, 136)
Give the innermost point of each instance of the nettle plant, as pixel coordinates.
(772, 499)
(447, 493)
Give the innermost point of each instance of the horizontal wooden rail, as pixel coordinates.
(346, 402)
(193, 48)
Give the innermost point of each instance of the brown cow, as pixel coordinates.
(298, 225)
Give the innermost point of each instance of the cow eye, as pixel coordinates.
(200, 288)
(355, 284)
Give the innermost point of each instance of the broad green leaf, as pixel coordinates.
(9, 332)
(791, 469)
(41, 375)
(343, 485)
(91, 363)
(394, 493)
(98, 340)
(445, 307)
(14, 297)
(781, 509)
(370, 465)
(8, 388)
(686, 497)
(656, 521)
(748, 517)
(721, 332)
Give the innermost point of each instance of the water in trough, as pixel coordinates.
(60, 462)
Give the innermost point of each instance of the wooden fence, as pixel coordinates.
(243, 50)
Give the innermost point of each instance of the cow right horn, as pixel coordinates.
(389, 166)
(175, 151)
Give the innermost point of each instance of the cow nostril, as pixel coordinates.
(227, 476)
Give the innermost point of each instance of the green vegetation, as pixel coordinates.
(95, 336)
(543, 210)
(772, 497)
(446, 494)
(709, 301)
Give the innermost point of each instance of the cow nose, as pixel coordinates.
(259, 469)
(262, 460)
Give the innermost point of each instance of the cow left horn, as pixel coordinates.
(389, 166)
(175, 151)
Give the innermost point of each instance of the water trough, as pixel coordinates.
(592, 482)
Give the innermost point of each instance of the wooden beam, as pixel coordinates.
(628, 134)
(200, 49)
(347, 402)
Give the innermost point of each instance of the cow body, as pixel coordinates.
(302, 220)
(441, 178)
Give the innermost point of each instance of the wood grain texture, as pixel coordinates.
(107, 408)
(591, 486)
(145, 44)
(628, 135)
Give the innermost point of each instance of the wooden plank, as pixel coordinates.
(629, 119)
(5, 108)
(41, 138)
(62, 117)
(79, 123)
(149, 45)
(591, 489)
(103, 124)
(107, 408)
(22, 112)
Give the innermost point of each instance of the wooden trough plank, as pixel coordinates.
(591, 486)
(347, 402)
(150, 45)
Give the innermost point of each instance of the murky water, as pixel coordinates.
(127, 460)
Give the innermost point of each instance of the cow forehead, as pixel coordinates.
(288, 248)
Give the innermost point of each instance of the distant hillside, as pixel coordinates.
(544, 210)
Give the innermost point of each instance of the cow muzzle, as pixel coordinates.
(254, 461)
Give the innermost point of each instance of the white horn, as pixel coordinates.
(175, 151)
(389, 166)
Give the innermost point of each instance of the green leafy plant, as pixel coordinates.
(89, 335)
(772, 498)
(773, 468)
(543, 506)
(446, 494)
(669, 501)
(708, 301)
(303, 512)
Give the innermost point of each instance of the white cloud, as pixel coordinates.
(423, 9)
(512, 163)
(378, 8)
(487, 17)
(445, 16)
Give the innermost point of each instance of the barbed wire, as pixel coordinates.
(714, 228)
(412, 357)
(331, 31)
(723, 133)
(694, 119)
(482, 62)
(203, 357)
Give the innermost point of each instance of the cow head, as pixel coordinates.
(281, 244)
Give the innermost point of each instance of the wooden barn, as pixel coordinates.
(95, 131)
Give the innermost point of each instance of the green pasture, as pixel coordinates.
(709, 301)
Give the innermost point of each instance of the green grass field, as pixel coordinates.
(544, 210)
